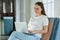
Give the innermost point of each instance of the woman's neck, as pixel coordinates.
(37, 15)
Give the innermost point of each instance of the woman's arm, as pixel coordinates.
(44, 31)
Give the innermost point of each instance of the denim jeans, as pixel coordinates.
(21, 36)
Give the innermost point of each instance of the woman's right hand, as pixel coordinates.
(29, 29)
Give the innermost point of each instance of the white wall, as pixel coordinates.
(25, 10)
(57, 8)
(23, 14)
(28, 10)
(17, 10)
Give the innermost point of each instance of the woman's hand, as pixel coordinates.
(29, 29)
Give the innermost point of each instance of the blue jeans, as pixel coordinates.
(21, 36)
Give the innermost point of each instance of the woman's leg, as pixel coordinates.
(13, 36)
(21, 36)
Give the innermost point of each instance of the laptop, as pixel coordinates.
(22, 27)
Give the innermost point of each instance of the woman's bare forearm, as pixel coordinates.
(39, 31)
(45, 30)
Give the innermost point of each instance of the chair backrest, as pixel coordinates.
(50, 26)
(55, 35)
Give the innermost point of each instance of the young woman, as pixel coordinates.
(37, 25)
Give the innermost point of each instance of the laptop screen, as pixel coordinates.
(21, 26)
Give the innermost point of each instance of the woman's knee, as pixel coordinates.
(13, 33)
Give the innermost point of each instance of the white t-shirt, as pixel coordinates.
(37, 23)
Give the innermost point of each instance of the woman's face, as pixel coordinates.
(37, 9)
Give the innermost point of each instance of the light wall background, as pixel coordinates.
(57, 8)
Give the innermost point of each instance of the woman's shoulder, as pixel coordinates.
(44, 16)
(41, 17)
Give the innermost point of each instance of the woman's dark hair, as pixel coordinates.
(42, 6)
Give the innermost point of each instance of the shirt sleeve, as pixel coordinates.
(45, 21)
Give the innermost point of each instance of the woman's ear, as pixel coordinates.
(41, 9)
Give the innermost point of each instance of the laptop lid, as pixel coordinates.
(21, 27)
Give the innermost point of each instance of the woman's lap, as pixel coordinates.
(22, 36)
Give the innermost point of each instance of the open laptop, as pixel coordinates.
(22, 27)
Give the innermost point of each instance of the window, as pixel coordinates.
(7, 8)
(49, 7)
